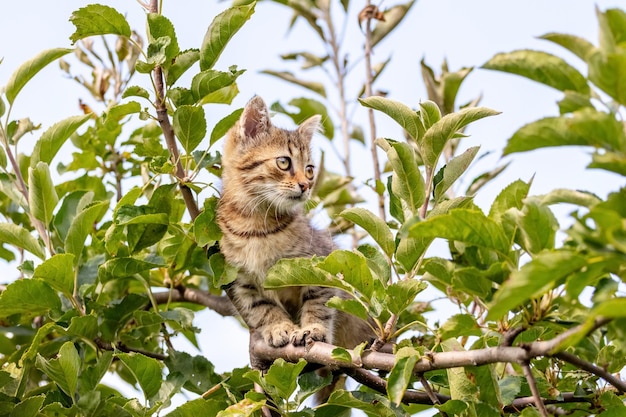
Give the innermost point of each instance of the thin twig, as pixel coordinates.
(369, 79)
(619, 384)
(379, 384)
(532, 383)
(168, 133)
(220, 304)
(123, 348)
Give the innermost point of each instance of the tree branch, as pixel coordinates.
(219, 304)
(369, 80)
(168, 133)
(123, 348)
(532, 383)
(321, 353)
(594, 369)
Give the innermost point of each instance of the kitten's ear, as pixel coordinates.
(310, 126)
(255, 118)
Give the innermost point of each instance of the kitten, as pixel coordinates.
(267, 177)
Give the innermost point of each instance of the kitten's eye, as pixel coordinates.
(283, 163)
(309, 171)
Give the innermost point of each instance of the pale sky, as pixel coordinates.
(466, 32)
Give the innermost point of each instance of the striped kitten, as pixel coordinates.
(267, 177)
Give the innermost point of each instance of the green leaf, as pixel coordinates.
(310, 383)
(13, 234)
(453, 171)
(352, 266)
(96, 19)
(41, 193)
(189, 126)
(300, 272)
(58, 272)
(308, 107)
(220, 31)
(244, 408)
(283, 376)
(30, 297)
(223, 272)
(401, 373)
(407, 181)
(533, 279)
(459, 325)
(3, 158)
(160, 26)
(610, 161)
(182, 63)
(606, 71)
(85, 327)
(54, 137)
(401, 294)
(64, 369)
(437, 136)
(136, 91)
(373, 405)
(342, 355)
(578, 46)
(199, 407)
(563, 195)
(536, 224)
(573, 101)
(393, 17)
(29, 407)
(512, 196)
(147, 371)
(586, 127)
(82, 225)
(205, 227)
(29, 69)
(124, 267)
(372, 224)
(314, 86)
(211, 86)
(461, 388)
(451, 82)
(72, 203)
(542, 67)
(430, 113)
(463, 225)
(406, 117)
(350, 306)
(223, 126)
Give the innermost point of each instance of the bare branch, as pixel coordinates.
(123, 348)
(321, 353)
(594, 369)
(379, 384)
(369, 80)
(220, 304)
(532, 383)
(168, 133)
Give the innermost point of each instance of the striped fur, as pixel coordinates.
(267, 177)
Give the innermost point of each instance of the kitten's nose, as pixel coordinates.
(303, 186)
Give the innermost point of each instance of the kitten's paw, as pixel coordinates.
(278, 334)
(308, 334)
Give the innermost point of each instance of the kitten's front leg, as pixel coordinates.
(261, 313)
(316, 319)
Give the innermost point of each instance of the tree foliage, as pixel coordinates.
(116, 254)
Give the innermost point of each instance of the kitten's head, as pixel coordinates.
(266, 167)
